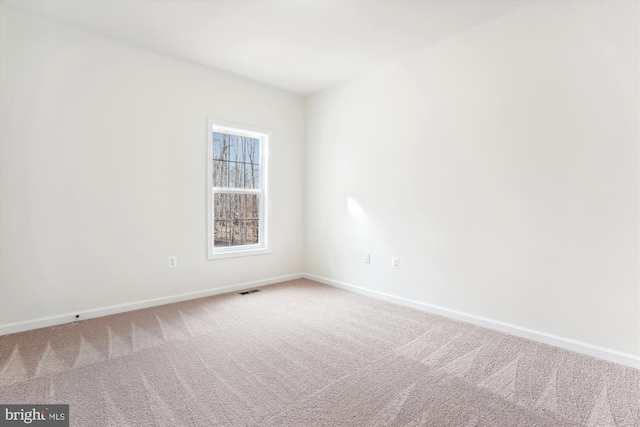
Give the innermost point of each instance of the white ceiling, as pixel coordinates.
(301, 46)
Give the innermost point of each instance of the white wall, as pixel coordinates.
(103, 172)
(500, 165)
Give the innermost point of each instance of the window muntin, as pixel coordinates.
(237, 206)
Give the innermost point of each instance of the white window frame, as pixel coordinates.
(263, 234)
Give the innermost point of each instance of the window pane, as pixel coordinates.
(252, 150)
(236, 219)
(220, 214)
(252, 232)
(252, 176)
(220, 234)
(220, 165)
(220, 173)
(218, 146)
(235, 148)
(236, 161)
(236, 175)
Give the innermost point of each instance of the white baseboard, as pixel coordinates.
(554, 340)
(543, 337)
(43, 322)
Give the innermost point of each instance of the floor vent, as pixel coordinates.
(248, 292)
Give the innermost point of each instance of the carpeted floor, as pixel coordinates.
(305, 354)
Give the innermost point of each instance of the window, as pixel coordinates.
(237, 191)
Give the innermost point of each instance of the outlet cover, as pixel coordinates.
(173, 262)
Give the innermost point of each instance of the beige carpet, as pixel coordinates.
(305, 354)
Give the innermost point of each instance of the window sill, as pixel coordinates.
(231, 253)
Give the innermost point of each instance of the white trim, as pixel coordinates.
(543, 337)
(238, 251)
(265, 203)
(43, 322)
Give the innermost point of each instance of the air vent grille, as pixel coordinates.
(248, 292)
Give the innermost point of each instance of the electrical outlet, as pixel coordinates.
(173, 261)
(395, 262)
(367, 258)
